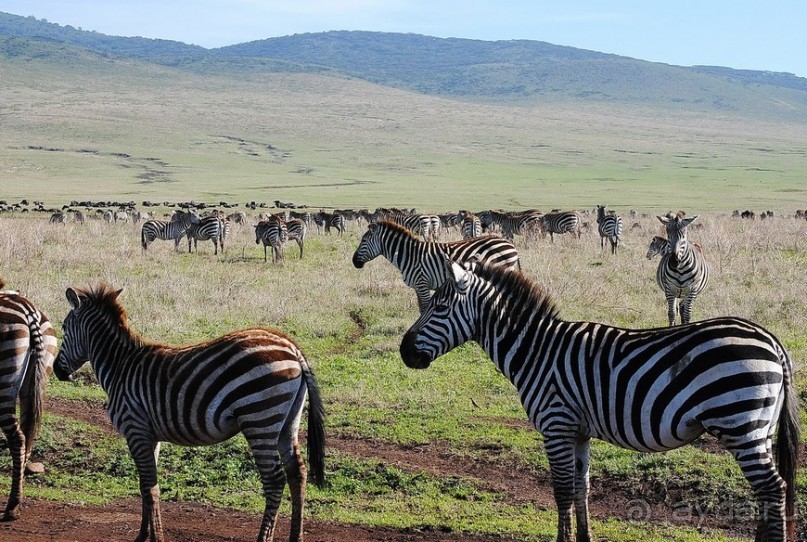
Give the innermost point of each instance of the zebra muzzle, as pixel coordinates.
(411, 355)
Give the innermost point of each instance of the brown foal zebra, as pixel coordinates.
(27, 349)
(254, 381)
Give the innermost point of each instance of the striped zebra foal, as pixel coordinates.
(27, 349)
(658, 245)
(210, 228)
(254, 381)
(682, 273)
(421, 262)
(274, 233)
(175, 229)
(648, 390)
(609, 226)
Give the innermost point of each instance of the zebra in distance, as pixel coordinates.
(420, 262)
(682, 273)
(254, 381)
(647, 390)
(560, 222)
(58, 218)
(297, 230)
(27, 349)
(180, 222)
(210, 228)
(330, 220)
(511, 224)
(272, 232)
(658, 245)
(609, 226)
(471, 226)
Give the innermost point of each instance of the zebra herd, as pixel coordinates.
(648, 390)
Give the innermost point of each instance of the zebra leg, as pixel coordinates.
(16, 446)
(685, 308)
(768, 487)
(273, 480)
(145, 453)
(581, 487)
(561, 455)
(672, 302)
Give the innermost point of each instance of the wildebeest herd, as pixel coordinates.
(648, 390)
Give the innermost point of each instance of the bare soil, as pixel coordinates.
(43, 520)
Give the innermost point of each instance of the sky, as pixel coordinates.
(740, 34)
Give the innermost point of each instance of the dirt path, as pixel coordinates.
(44, 520)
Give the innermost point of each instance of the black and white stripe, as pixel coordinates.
(560, 222)
(682, 273)
(471, 226)
(609, 226)
(253, 381)
(27, 349)
(647, 390)
(210, 228)
(274, 233)
(421, 262)
(330, 220)
(297, 230)
(511, 224)
(175, 229)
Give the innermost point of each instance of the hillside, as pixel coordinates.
(516, 71)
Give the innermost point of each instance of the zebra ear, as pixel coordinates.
(73, 298)
(688, 221)
(663, 219)
(461, 277)
(118, 293)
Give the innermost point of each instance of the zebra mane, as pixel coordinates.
(105, 298)
(518, 291)
(395, 226)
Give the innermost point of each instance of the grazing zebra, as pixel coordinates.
(329, 221)
(682, 273)
(252, 381)
(27, 349)
(212, 228)
(471, 226)
(297, 230)
(609, 225)
(175, 229)
(561, 222)
(58, 218)
(420, 262)
(511, 224)
(272, 232)
(647, 390)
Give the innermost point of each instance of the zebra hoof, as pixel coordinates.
(10, 514)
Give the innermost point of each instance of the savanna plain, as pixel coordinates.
(442, 454)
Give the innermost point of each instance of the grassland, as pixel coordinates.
(76, 127)
(81, 126)
(461, 410)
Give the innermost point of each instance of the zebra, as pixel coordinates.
(682, 273)
(175, 229)
(27, 349)
(658, 245)
(511, 224)
(561, 222)
(471, 226)
(420, 262)
(57, 218)
(609, 226)
(297, 230)
(252, 381)
(648, 390)
(329, 221)
(212, 228)
(272, 232)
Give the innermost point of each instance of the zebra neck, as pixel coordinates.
(107, 350)
(400, 249)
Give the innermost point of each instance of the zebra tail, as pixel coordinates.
(316, 428)
(143, 239)
(32, 390)
(788, 446)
